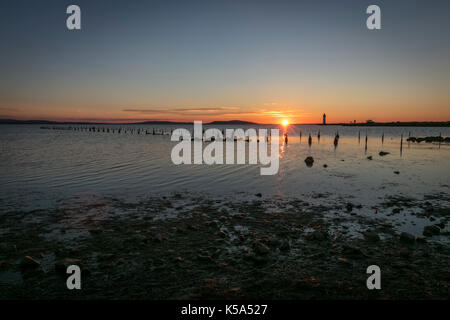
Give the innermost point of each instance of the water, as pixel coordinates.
(39, 167)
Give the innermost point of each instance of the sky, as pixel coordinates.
(260, 61)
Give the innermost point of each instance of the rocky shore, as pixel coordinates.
(198, 247)
(429, 139)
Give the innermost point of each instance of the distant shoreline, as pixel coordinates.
(233, 122)
(397, 124)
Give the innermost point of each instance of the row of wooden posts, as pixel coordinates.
(154, 131)
(114, 130)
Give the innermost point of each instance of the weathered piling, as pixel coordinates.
(401, 144)
(365, 146)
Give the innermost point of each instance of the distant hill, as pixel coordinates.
(160, 122)
(13, 121)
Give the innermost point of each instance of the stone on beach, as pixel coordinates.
(29, 263)
(407, 238)
(309, 161)
(429, 231)
(349, 207)
(371, 236)
(317, 235)
(261, 248)
(429, 139)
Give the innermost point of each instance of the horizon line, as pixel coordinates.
(112, 122)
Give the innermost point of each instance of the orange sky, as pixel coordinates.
(271, 112)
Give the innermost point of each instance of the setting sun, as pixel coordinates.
(284, 122)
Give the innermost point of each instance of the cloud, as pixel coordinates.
(193, 111)
(8, 109)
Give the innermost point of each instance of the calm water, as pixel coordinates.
(40, 167)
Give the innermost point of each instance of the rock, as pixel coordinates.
(261, 248)
(344, 261)
(404, 253)
(177, 196)
(285, 246)
(60, 267)
(428, 139)
(193, 227)
(309, 161)
(369, 158)
(3, 247)
(397, 172)
(158, 238)
(204, 258)
(257, 259)
(349, 207)
(371, 236)
(10, 279)
(441, 224)
(317, 236)
(29, 264)
(421, 240)
(429, 231)
(6, 248)
(274, 242)
(352, 252)
(325, 166)
(383, 153)
(180, 229)
(139, 238)
(407, 238)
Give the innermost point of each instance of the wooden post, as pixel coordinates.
(401, 144)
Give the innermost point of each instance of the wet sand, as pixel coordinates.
(193, 246)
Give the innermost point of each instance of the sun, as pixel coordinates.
(285, 122)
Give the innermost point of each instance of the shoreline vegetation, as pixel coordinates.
(236, 122)
(197, 246)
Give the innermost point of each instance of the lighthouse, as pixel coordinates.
(324, 119)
